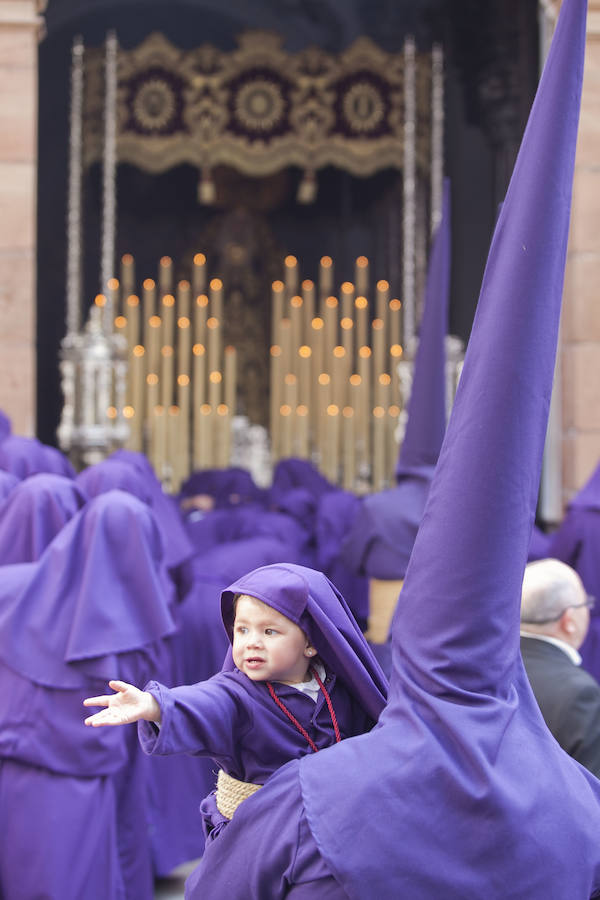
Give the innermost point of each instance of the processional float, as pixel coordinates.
(150, 369)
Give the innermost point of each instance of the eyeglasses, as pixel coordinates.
(590, 602)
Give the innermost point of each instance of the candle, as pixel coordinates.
(275, 400)
(153, 347)
(361, 305)
(304, 367)
(291, 276)
(223, 434)
(277, 294)
(317, 326)
(395, 357)
(137, 397)
(296, 329)
(199, 274)
(302, 436)
(330, 312)
(149, 300)
(199, 400)
(364, 370)
(285, 412)
(395, 313)
(377, 343)
(361, 276)
(349, 448)
(132, 307)
(308, 296)
(393, 415)
(325, 277)
(159, 435)
(214, 355)
(171, 469)
(112, 303)
(333, 443)
(167, 354)
(183, 442)
(230, 386)
(290, 399)
(127, 274)
(285, 342)
(165, 275)
(382, 293)
(216, 298)
(339, 375)
(214, 388)
(323, 401)
(184, 352)
(378, 472)
(204, 445)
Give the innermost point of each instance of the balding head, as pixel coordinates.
(553, 601)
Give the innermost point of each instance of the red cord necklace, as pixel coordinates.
(295, 721)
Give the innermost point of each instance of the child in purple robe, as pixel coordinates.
(299, 677)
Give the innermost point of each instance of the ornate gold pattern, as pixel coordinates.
(259, 109)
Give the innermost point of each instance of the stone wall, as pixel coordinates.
(19, 27)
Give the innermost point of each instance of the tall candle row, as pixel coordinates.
(334, 391)
(181, 389)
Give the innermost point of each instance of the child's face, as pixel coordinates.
(267, 646)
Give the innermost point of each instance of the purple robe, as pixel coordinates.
(25, 456)
(7, 483)
(178, 784)
(227, 487)
(577, 543)
(5, 426)
(92, 608)
(33, 515)
(460, 791)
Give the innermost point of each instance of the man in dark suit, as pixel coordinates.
(554, 621)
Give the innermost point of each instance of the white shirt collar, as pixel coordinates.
(571, 652)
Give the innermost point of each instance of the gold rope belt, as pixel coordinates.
(231, 792)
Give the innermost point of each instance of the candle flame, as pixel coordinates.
(348, 412)
(307, 284)
(213, 322)
(198, 350)
(215, 377)
(154, 321)
(277, 286)
(183, 380)
(173, 410)
(184, 285)
(202, 300)
(100, 300)
(296, 302)
(347, 323)
(138, 350)
(133, 300)
(317, 323)
(165, 261)
(324, 378)
(304, 351)
(355, 380)
(168, 300)
(302, 410)
(152, 378)
(332, 410)
(120, 322)
(326, 262)
(364, 352)
(148, 284)
(166, 351)
(395, 304)
(127, 259)
(377, 324)
(394, 411)
(199, 259)
(339, 352)
(183, 322)
(379, 412)
(331, 302)
(113, 284)
(347, 287)
(290, 261)
(361, 302)
(285, 409)
(362, 262)
(128, 412)
(111, 412)
(216, 284)
(396, 350)
(383, 285)
(275, 350)
(159, 410)
(290, 378)
(385, 379)
(222, 409)
(205, 409)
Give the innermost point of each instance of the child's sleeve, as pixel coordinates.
(205, 719)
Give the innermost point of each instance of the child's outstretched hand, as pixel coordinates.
(127, 704)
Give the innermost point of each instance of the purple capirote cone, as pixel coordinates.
(309, 599)
(426, 423)
(460, 789)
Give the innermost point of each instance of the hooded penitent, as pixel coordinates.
(460, 791)
(383, 532)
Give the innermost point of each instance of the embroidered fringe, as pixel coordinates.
(231, 792)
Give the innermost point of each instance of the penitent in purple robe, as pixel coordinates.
(577, 543)
(5, 426)
(176, 785)
(24, 456)
(383, 531)
(460, 791)
(236, 722)
(71, 798)
(7, 483)
(34, 513)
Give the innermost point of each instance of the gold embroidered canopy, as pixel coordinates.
(260, 109)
